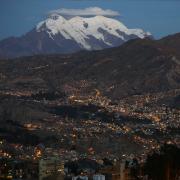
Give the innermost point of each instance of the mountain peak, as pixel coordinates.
(54, 16)
(81, 29)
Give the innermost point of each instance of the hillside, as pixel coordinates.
(137, 67)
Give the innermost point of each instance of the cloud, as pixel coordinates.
(91, 11)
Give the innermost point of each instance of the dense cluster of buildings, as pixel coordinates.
(82, 145)
(54, 168)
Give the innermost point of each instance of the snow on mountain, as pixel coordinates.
(81, 29)
(59, 35)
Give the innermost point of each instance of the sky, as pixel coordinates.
(160, 17)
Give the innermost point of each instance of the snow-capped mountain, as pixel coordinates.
(59, 35)
(105, 31)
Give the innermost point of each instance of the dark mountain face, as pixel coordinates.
(34, 43)
(137, 67)
(171, 42)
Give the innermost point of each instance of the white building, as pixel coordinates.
(80, 177)
(98, 177)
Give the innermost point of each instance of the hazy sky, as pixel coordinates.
(160, 17)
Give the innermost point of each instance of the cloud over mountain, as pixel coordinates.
(90, 11)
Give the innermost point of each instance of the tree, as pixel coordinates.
(164, 165)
